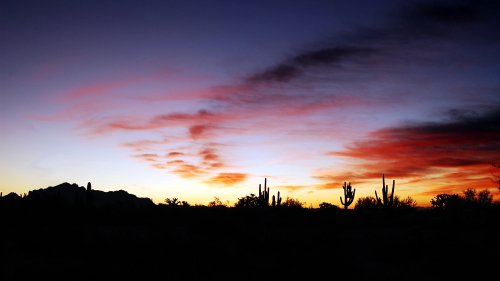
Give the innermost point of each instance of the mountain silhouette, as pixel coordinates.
(72, 195)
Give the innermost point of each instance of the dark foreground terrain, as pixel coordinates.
(202, 243)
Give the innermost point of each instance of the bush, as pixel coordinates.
(407, 203)
(470, 199)
(328, 206)
(249, 201)
(292, 203)
(366, 203)
(216, 203)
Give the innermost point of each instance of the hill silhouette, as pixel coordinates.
(74, 196)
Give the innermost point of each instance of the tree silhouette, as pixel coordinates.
(470, 199)
(293, 203)
(366, 203)
(481, 199)
(446, 201)
(249, 201)
(174, 202)
(216, 203)
(326, 205)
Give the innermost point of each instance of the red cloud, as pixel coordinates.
(198, 131)
(130, 123)
(467, 144)
(208, 154)
(175, 154)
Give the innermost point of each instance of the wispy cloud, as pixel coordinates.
(175, 154)
(227, 179)
(296, 66)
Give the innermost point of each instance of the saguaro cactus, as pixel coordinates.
(276, 201)
(348, 195)
(387, 200)
(264, 195)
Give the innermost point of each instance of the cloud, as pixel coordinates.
(149, 157)
(189, 171)
(210, 159)
(227, 179)
(174, 154)
(368, 46)
(295, 66)
(460, 143)
(208, 154)
(291, 187)
(170, 120)
(199, 131)
(159, 166)
(99, 88)
(176, 162)
(197, 165)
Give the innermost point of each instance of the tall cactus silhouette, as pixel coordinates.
(263, 199)
(348, 195)
(387, 200)
(276, 201)
(264, 194)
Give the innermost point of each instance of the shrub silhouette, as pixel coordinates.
(328, 206)
(470, 199)
(293, 203)
(446, 201)
(174, 202)
(249, 201)
(366, 203)
(407, 202)
(217, 203)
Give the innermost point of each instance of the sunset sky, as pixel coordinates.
(197, 99)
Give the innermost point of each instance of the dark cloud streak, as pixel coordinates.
(434, 20)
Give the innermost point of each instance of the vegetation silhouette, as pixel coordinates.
(68, 230)
(348, 195)
(387, 199)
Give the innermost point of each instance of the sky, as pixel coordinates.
(202, 99)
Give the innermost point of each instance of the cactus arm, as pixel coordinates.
(392, 194)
